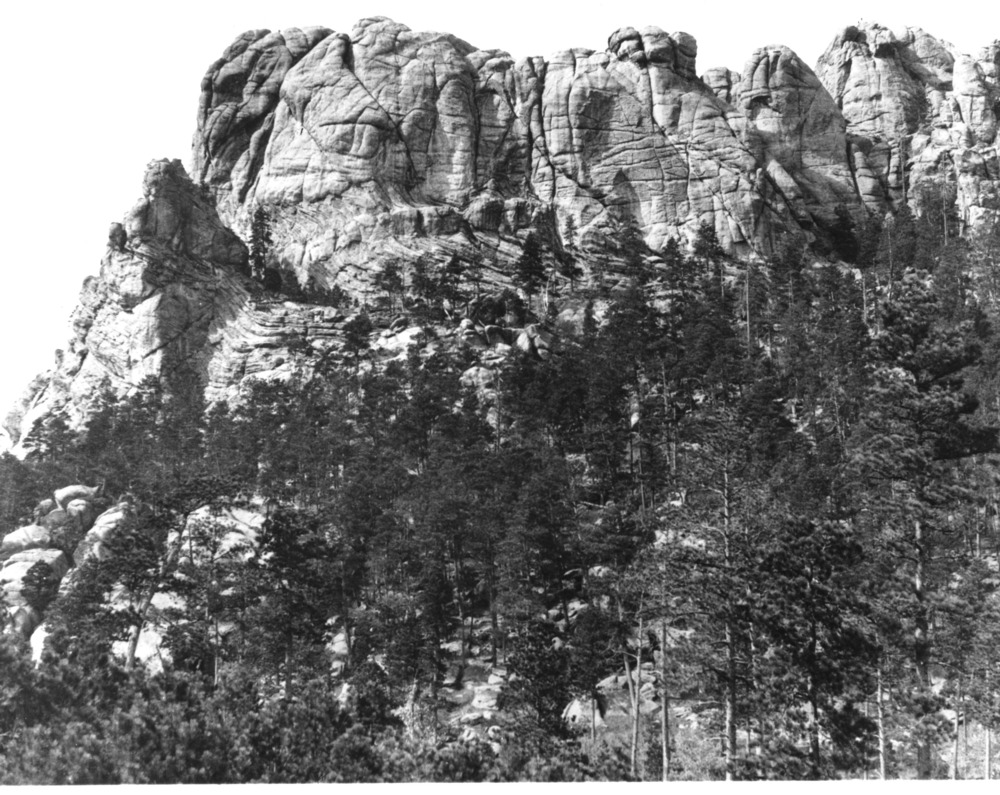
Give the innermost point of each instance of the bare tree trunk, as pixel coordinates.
(749, 338)
(864, 299)
(864, 747)
(958, 717)
(288, 667)
(636, 712)
(730, 702)
(730, 707)
(347, 620)
(814, 727)
(136, 631)
(215, 651)
(813, 689)
(921, 647)
(989, 738)
(989, 752)
(633, 705)
(664, 703)
(168, 561)
(414, 695)
(593, 719)
(880, 706)
(669, 410)
(751, 642)
(965, 731)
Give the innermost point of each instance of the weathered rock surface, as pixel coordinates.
(385, 120)
(796, 133)
(232, 531)
(918, 112)
(91, 545)
(30, 537)
(18, 564)
(78, 491)
(46, 542)
(24, 617)
(385, 144)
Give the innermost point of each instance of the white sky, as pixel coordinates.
(95, 90)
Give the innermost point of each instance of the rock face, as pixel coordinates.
(384, 144)
(918, 113)
(795, 132)
(150, 311)
(349, 129)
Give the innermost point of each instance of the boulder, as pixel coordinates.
(18, 564)
(580, 714)
(76, 492)
(44, 507)
(24, 619)
(23, 616)
(31, 537)
(83, 512)
(485, 697)
(38, 637)
(65, 527)
(91, 545)
(117, 237)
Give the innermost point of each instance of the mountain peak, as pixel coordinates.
(385, 144)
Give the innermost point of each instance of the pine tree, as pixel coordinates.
(918, 423)
(815, 659)
(260, 241)
(530, 266)
(390, 281)
(540, 689)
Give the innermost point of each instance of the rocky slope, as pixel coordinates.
(39, 562)
(389, 145)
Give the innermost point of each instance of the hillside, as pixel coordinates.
(571, 418)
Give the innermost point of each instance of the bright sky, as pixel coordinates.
(95, 90)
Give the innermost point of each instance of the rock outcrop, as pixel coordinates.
(796, 133)
(388, 145)
(40, 562)
(352, 128)
(35, 559)
(919, 114)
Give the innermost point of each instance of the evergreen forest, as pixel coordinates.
(739, 520)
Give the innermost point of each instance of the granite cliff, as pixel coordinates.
(918, 112)
(387, 145)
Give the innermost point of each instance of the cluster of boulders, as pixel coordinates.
(530, 339)
(67, 529)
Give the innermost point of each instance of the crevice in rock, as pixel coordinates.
(849, 156)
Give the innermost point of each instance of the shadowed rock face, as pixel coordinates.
(152, 308)
(796, 133)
